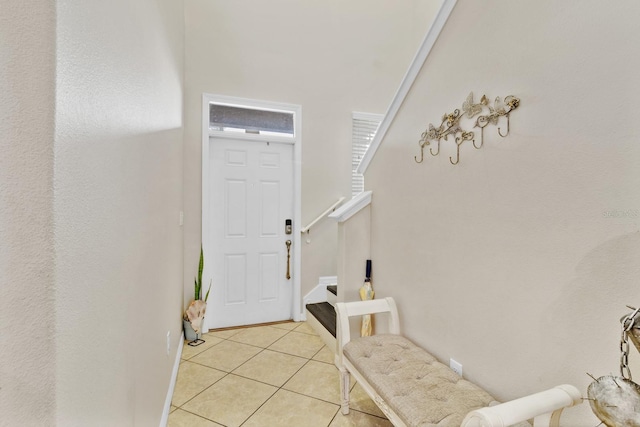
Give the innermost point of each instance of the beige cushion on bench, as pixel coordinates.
(421, 390)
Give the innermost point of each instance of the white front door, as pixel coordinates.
(251, 197)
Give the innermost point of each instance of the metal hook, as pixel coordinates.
(459, 141)
(421, 155)
(457, 158)
(499, 133)
(481, 140)
(437, 152)
(465, 136)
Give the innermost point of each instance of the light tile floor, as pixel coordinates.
(265, 376)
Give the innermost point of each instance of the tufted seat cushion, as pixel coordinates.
(421, 390)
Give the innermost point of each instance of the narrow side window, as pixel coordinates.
(364, 127)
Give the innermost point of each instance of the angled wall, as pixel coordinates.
(518, 262)
(27, 308)
(118, 194)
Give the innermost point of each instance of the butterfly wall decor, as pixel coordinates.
(450, 125)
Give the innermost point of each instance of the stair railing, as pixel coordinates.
(322, 215)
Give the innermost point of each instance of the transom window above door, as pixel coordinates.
(242, 119)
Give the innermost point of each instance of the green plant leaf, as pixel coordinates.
(201, 266)
(206, 297)
(198, 280)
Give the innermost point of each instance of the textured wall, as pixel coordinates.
(27, 317)
(330, 57)
(118, 193)
(518, 262)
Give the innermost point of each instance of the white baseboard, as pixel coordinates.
(319, 293)
(328, 280)
(172, 384)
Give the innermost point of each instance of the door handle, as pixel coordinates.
(288, 243)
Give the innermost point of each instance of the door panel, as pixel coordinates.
(251, 196)
(269, 278)
(235, 208)
(270, 223)
(235, 279)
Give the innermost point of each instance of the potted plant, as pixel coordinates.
(194, 314)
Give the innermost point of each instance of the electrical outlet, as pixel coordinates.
(168, 342)
(457, 367)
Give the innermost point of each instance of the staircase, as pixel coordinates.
(321, 316)
(319, 311)
(324, 312)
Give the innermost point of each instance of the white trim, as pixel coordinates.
(411, 75)
(207, 98)
(352, 207)
(328, 280)
(250, 136)
(298, 308)
(172, 383)
(316, 295)
(319, 292)
(328, 339)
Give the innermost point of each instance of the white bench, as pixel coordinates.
(413, 389)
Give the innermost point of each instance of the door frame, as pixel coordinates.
(296, 141)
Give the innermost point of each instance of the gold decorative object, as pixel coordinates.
(450, 125)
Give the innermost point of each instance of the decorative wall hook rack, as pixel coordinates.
(451, 127)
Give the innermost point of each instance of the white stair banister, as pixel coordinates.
(322, 215)
(352, 207)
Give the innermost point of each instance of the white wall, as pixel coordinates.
(118, 193)
(511, 262)
(27, 316)
(330, 57)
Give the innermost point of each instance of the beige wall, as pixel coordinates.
(118, 194)
(354, 249)
(513, 262)
(330, 57)
(27, 316)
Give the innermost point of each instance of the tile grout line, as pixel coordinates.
(289, 379)
(226, 374)
(231, 373)
(204, 418)
(277, 388)
(257, 346)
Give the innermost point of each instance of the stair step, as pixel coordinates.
(333, 289)
(325, 314)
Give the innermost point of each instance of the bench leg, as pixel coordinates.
(344, 390)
